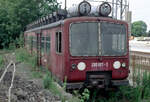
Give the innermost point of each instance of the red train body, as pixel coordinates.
(90, 51)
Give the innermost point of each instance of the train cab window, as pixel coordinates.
(58, 42)
(84, 39)
(113, 39)
(48, 44)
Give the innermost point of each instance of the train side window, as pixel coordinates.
(42, 43)
(48, 44)
(34, 42)
(58, 42)
(31, 42)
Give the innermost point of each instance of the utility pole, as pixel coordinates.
(113, 8)
(121, 9)
(65, 4)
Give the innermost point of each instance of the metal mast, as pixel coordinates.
(65, 4)
(119, 8)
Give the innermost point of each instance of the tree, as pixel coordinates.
(148, 33)
(16, 14)
(48, 6)
(139, 28)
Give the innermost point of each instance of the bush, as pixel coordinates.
(85, 95)
(137, 93)
(37, 74)
(47, 81)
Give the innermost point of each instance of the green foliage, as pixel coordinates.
(148, 33)
(23, 56)
(94, 95)
(139, 28)
(85, 95)
(137, 93)
(65, 83)
(16, 14)
(1, 61)
(37, 74)
(48, 6)
(19, 42)
(49, 83)
(47, 80)
(12, 46)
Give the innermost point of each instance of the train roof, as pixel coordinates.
(61, 22)
(80, 12)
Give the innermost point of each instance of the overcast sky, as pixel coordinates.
(140, 9)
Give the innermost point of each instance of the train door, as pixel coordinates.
(48, 49)
(38, 47)
(59, 54)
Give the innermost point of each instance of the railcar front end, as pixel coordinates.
(97, 52)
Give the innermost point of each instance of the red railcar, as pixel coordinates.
(88, 51)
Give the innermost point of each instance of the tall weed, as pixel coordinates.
(1, 61)
(23, 56)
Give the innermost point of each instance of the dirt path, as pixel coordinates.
(25, 88)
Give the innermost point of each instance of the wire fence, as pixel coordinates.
(139, 66)
(140, 60)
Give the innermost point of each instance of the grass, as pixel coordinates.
(49, 83)
(1, 61)
(137, 93)
(23, 56)
(39, 72)
(140, 91)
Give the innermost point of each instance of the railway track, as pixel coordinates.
(12, 80)
(17, 86)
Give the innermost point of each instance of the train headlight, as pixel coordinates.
(81, 66)
(105, 9)
(84, 8)
(123, 65)
(117, 65)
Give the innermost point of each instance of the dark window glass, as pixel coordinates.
(48, 44)
(42, 43)
(113, 39)
(58, 42)
(34, 42)
(31, 42)
(84, 39)
(98, 39)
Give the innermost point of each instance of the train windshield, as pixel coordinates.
(97, 39)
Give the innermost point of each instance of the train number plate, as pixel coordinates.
(99, 65)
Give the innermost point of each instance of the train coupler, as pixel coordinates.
(98, 79)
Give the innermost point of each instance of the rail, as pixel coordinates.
(13, 77)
